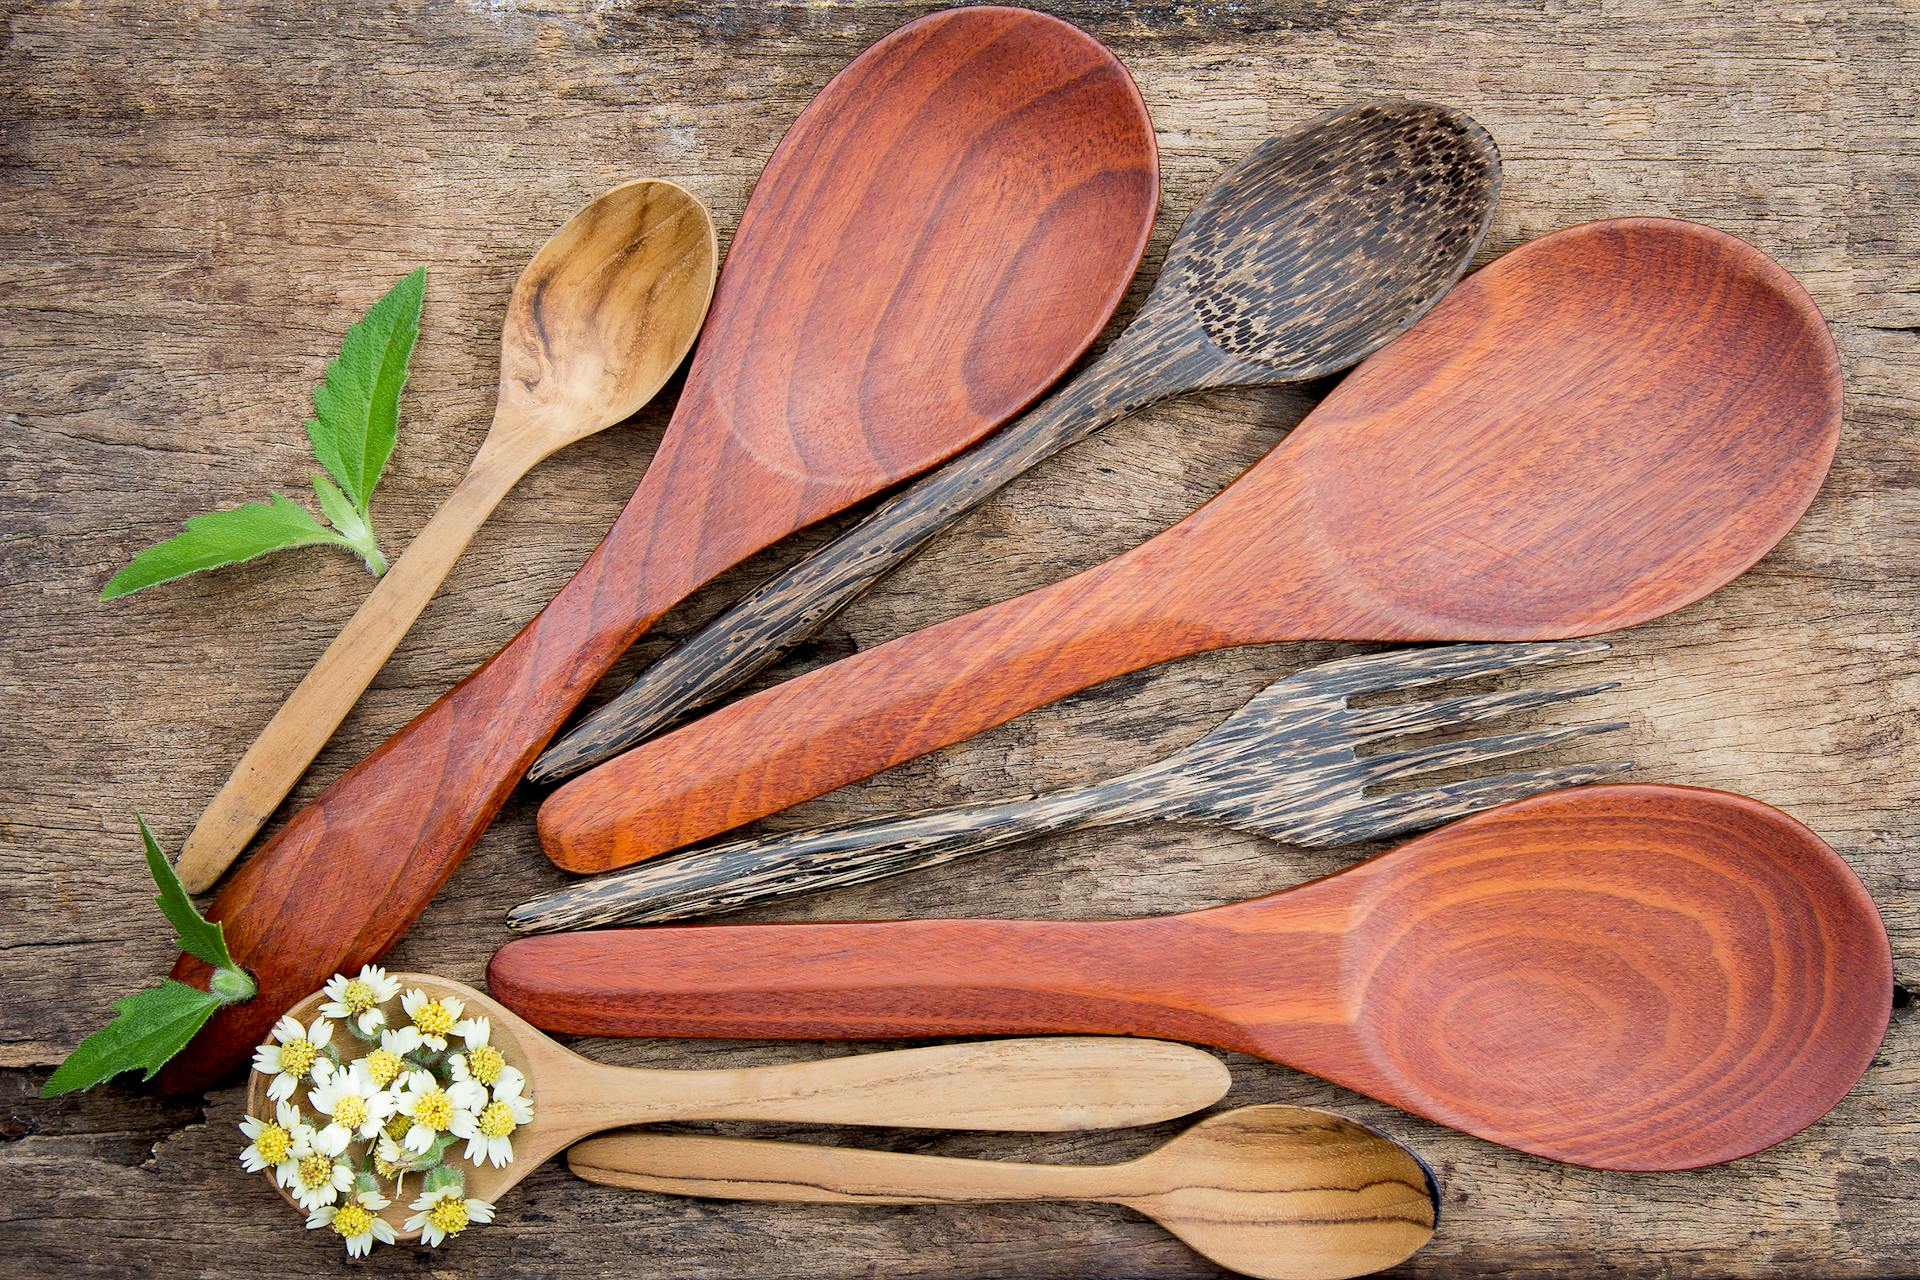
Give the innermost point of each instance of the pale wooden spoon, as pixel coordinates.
(1285, 1193)
(598, 321)
(1030, 1085)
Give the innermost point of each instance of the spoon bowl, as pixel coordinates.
(598, 321)
(1027, 1085)
(1283, 1193)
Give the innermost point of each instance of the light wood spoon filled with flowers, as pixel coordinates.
(401, 1106)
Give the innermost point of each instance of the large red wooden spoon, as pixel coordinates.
(939, 235)
(1598, 428)
(1630, 977)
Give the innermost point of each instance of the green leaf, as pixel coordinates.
(222, 538)
(357, 409)
(151, 1026)
(199, 936)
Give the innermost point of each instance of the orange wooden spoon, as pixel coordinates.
(1629, 977)
(1600, 427)
(939, 235)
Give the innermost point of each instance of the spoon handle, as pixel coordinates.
(1037, 1085)
(309, 716)
(800, 1173)
(1135, 371)
(743, 873)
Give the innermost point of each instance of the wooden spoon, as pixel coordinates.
(1598, 428)
(1308, 255)
(1284, 1193)
(939, 235)
(1039, 1085)
(598, 321)
(1628, 977)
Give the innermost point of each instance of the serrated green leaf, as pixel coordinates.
(199, 936)
(221, 538)
(334, 505)
(357, 408)
(151, 1026)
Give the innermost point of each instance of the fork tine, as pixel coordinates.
(1447, 755)
(1372, 723)
(1403, 811)
(1410, 668)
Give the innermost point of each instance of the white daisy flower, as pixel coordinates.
(299, 1056)
(446, 1212)
(355, 1104)
(482, 1062)
(358, 1222)
(489, 1131)
(358, 1000)
(272, 1143)
(432, 1018)
(319, 1174)
(433, 1109)
(387, 1061)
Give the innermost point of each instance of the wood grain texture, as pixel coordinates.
(1625, 977)
(1599, 428)
(1305, 257)
(1287, 765)
(1284, 1193)
(599, 320)
(201, 198)
(993, 164)
(1086, 1082)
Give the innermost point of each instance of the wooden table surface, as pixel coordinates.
(197, 199)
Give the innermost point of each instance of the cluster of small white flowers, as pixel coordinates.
(423, 1080)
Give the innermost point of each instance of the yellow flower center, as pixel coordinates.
(384, 1066)
(496, 1121)
(388, 1169)
(434, 1110)
(350, 1111)
(352, 1220)
(357, 996)
(433, 1019)
(314, 1170)
(449, 1214)
(273, 1143)
(398, 1126)
(484, 1063)
(296, 1057)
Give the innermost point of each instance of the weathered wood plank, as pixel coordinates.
(197, 198)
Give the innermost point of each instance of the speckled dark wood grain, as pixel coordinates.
(1625, 977)
(939, 235)
(1311, 253)
(1288, 766)
(1596, 429)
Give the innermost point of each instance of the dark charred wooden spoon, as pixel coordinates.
(1289, 765)
(1596, 429)
(939, 235)
(1628, 977)
(1283, 1193)
(1311, 253)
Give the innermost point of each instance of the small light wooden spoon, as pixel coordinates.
(1027, 1085)
(1284, 1193)
(598, 321)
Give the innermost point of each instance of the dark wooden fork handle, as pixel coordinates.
(744, 872)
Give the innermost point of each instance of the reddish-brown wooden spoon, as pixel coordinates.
(1598, 428)
(939, 235)
(1629, 977)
